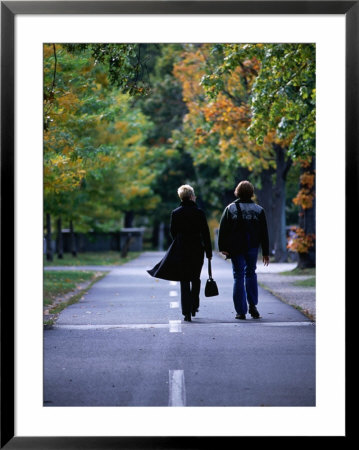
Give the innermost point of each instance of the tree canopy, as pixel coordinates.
(282, 98)
(95, 152)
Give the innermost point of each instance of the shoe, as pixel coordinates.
(194, 312)
(254, 312)
(241, 316)
(187, 318)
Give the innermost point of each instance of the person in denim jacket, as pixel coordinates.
(243, 229)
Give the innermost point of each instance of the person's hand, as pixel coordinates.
(266, 260)
(225, 253)
(209, 257)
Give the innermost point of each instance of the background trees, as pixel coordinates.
(252, 108)
(126, 124)
(96, 161)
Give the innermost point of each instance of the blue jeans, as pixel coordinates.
(245, 287)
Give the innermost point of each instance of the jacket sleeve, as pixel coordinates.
(224, 232)
(206, 236)
(264, 234)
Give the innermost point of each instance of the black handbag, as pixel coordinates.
(211, 288)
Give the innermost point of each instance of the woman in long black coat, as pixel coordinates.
(184, 259)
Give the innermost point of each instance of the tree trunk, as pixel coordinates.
(72, 240)
(307, 222)
(154, 238)
(59, 240)
(126, 246)
(280, 238)
(305, 261)
(129, 216)
(49, 255)
(265, 199)
(161, 236)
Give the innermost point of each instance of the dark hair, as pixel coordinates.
(244, 190)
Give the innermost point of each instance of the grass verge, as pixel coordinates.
(302, 310)
(309, 282)
(110, 258)
(296, 271)
(57, 283)
(66, 288)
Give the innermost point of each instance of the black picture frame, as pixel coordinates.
(9, 9)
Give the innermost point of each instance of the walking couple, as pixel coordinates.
(242, 230)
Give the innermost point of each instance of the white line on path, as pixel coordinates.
(174, 304)
(177, 391)
(173, 283)
(173, 294)
(286, 324)
(175, 326)
(111, 327)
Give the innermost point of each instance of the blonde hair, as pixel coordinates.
(185, 192)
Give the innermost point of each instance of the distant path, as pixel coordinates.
(125, 344)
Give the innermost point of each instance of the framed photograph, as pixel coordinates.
(29, 29)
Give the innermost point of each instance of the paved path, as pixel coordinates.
(125, 344)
